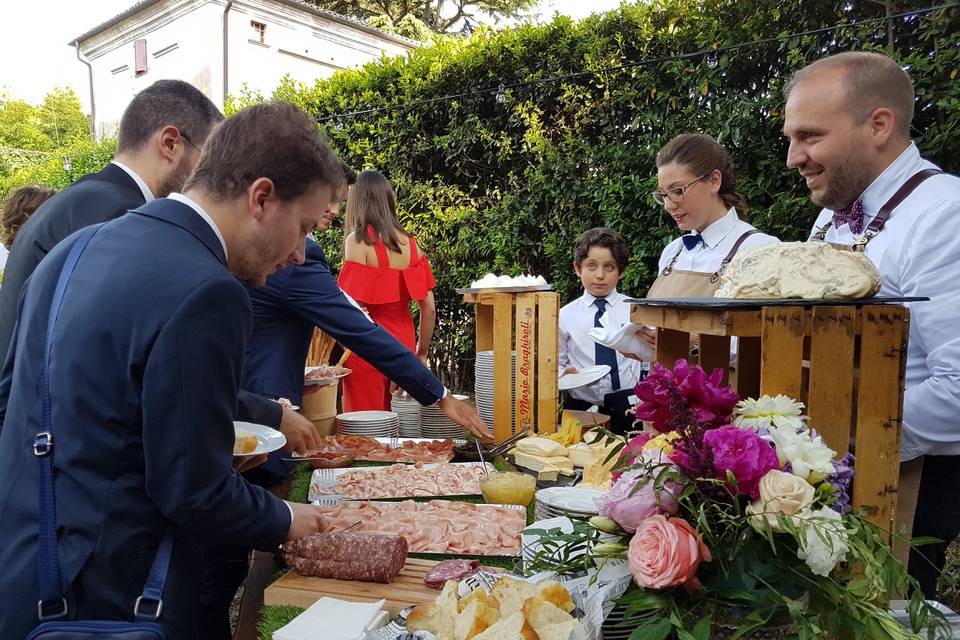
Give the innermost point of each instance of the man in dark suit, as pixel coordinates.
(145, 372)
(158, 145)
(285, 311)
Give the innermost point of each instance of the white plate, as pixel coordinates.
(583, 377)
(323, 381)
(367, 416)
(268, 439)
(569, 498)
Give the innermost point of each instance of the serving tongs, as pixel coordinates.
(505, 445)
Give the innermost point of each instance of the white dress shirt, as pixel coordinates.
(179, 197)
(918, 254)
(718, 240)
(577, 348)
(144, 189)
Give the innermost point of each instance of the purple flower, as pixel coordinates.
(671, 400)
(630, 510)
(742, 452)
(841, 481)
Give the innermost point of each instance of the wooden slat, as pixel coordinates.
(716, 322)
(484, 329)
(525, 330)
(883, 353)
(781, 351)
(407, 589)
(672, 346)
(502, 387)
(747, 378)
(830, 400)
(548, 305)
(715, 354)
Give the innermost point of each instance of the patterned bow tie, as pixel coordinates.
(691, 241)
(852, 215)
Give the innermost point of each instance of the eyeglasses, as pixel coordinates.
(676, 194)
(187, 138)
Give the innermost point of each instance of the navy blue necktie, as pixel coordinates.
(605, 355)
(691, 241)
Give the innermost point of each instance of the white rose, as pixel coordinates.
(781, 493)
(809, 457)
(823, 541)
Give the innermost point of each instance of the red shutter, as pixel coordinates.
(140, 56)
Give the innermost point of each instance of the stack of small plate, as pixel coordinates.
(566, 501)
(375, 424)
(435, 424)
(483, 384)
(612, 628)
(408, 410)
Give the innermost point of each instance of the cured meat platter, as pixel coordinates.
(397, 481)
(389, 450)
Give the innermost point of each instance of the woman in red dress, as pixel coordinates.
(383, 271)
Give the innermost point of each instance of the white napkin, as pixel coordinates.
(625, 339)
(331, 619)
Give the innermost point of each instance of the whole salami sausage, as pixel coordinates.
(368, 557)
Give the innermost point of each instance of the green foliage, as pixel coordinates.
(420, 20)
(30, 134)
(85, 157)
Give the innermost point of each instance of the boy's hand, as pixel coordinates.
(649, 335)
(569, 370)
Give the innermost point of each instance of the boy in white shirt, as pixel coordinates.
(599, 260)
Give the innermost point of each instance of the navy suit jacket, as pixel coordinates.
(96, 197)
(297, 299)
(147, 355)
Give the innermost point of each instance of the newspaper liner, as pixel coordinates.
(593, 602)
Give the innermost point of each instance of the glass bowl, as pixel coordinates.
(508, 487)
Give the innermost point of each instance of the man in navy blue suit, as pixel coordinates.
(161, 133)
(145, 373)
(285, 310)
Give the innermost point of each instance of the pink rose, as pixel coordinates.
(630, 509)
(666, 553)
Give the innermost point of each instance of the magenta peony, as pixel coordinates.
(742, 452)
(666, 553)
(630, 510)
(669, 399)
(630, 452)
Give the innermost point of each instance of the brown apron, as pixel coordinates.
(910, 472)
(876, 225)
(678, 283)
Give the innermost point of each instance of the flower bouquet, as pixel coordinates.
(734, 519)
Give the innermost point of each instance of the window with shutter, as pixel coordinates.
(140, 56)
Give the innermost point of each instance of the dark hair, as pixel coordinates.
(871, 80)
(371, 202)
(602, 237)
(274, 140)
(165, 103)
(701, 154)
(20, 205)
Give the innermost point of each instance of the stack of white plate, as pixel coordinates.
(408, 410)
(612, 628)
(375, 424)
(566, 501)
(435, 424)
(483, 388)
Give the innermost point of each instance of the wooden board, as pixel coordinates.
(672, 346)
(548, 305)
(524, 344)
(715, 354)
(829, 400)
(502, 345)
(746, 379)
(883, 353)
(484, 330)
(407, 589)
(781, 352)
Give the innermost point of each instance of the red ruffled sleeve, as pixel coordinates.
(419, 279)
(370, 285)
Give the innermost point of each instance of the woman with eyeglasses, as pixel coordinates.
(697, 187)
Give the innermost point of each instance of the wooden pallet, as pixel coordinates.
(407, 589)
(845, 363)
(525, 323)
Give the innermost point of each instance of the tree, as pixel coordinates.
(61, 117)
(419, 18)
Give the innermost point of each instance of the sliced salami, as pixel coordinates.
(450, 570)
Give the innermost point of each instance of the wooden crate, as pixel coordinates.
(813, 354)
(526, 323)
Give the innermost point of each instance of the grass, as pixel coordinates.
(273, 618)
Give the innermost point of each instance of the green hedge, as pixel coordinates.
(508, 187)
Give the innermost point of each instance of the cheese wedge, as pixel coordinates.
(597, 476)
(548, 474)
(581, 454)
(541, 447)
(536, 463)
